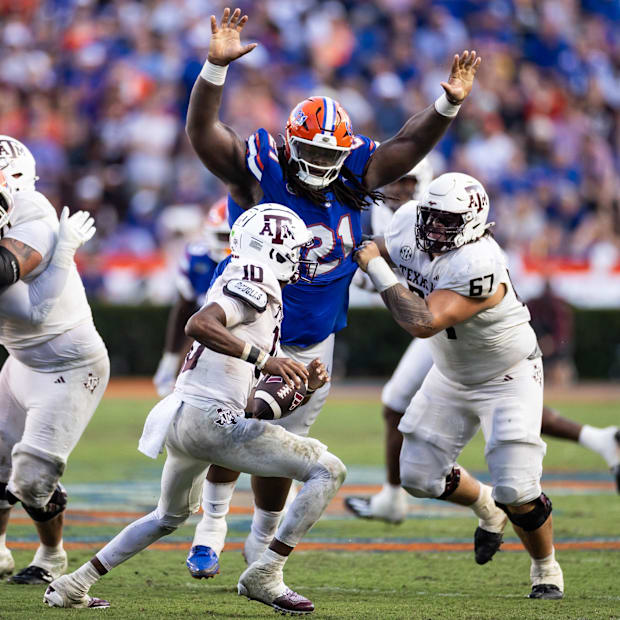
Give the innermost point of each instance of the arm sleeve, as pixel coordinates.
(33, 301)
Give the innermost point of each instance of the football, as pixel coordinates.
(273, 398)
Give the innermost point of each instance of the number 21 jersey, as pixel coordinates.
(487, 344)
(312, 311)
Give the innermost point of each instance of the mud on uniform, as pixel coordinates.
(487, 373)
(57, 370)
(203, 421)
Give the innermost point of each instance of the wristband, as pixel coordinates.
(262, 360)
(445, 108)
(214, 74)
(381, 274)
(246, 352)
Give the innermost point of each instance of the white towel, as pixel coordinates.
(157, 424)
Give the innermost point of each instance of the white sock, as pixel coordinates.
(547, 570)
(391, 491)
(274, 559)
(211, 529)
(264, 524)
(48, 556)
(601, 441)
(86, 576)
(491, 518)
(3, 546)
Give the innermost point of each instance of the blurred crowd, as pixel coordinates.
(98, 90)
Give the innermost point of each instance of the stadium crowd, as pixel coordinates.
(98, 91)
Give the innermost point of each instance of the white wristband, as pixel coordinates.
(381, 274)
(214, 74)
(445, 108)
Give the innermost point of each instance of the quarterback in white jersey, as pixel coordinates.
(203, 421)
(487, 369)
(57, 368)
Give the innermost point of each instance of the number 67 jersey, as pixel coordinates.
(489, 343)
(251, 298)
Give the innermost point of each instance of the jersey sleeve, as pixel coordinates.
(401, 230)
(234, 211)
(261, 154)
(473, 275)
(37, 234)
(361, 151)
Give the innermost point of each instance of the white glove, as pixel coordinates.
(73, 232)
(166, 374)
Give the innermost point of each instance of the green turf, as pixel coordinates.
(155, 584)
(344, 585)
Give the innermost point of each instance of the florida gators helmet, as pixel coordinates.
(319, 137)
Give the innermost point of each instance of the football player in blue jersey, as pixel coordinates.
(327, 175)
(193, 279)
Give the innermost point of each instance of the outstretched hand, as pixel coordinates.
(461, 78)
(225, 45)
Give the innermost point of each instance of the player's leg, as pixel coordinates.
(272, 495)
(210, 534)
(603, 441)
(267, 450)
(58, 413)
(181, 483)
(514, 454)
(12, 420)
(390, 504)
(437, 425)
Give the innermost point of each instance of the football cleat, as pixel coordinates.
(7, 564)
(263, 583)
(64, 592)
(486, 545)
(252, 549)
(32, 576)
(384, 506)
(202, 562)
(546, 591)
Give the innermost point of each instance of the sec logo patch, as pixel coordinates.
(406, 252)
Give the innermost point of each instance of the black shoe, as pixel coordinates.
(486, 545)
(32, 576)
(547, 591)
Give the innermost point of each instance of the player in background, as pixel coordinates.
(487, 368)
(327, 175)
(236, 337)
(195, 273)
(390, 504)
(57, 369)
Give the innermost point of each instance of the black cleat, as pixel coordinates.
(32, 576)
(546, 591)
(486, 545)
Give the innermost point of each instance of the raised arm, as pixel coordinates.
(219, 147)
(396, 156)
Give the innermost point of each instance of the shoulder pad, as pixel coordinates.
(248, 293)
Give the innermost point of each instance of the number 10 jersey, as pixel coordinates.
(487, 344)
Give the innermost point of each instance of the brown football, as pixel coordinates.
(273, 398)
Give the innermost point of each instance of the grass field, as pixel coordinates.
(423, 568)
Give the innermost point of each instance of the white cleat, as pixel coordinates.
(64, 592)
(253, 549)
(265, 583)
(7, 563)
(389, 505)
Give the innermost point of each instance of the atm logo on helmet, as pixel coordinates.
(10, 149)
(278, 227)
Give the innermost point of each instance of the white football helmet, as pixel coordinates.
(216, 231)
(6, 201)
(18, 164)
(273, 235)
(452, 212)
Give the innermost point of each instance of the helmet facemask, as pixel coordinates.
(6, 201)
(319, 164)
(439, 231)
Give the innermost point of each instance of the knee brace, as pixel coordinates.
(4, 497)
(532, 520)
(453, 479)
(56, 504)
